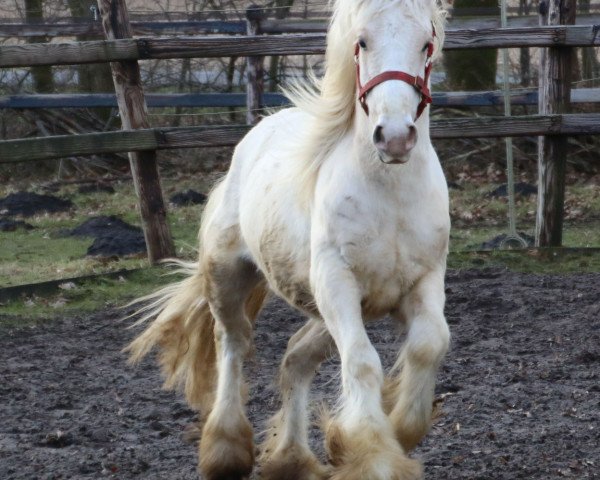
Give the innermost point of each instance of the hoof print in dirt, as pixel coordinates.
(57, 439)
(28, 204)
(521, 188)
(113, 237)
(8, 225)
(96, 188)
(191, 197)
(500, 241)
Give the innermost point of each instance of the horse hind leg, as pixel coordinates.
(234, 290)
(285, 454)
(408, 397)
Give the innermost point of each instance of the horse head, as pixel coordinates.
(394, 49)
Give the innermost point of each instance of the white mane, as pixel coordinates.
(331, 100)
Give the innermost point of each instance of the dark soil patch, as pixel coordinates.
(28, 204)
(9, 225)
(113, 236)
(521, 188)
(191, 197)
(518, 390)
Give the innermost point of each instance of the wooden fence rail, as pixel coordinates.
(232, 27)
(14, 151)
(225, 100)
(72, 53)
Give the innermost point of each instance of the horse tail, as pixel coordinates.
(183, 330)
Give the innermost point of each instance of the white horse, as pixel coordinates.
(343, 212)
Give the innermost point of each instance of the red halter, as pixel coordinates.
(421, 84)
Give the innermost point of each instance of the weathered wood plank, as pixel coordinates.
(200, 100)
(555, 90)
(293, 44)
(207, 27)
(13, 151)
(68, 53)
(97, 100)
(134, 116)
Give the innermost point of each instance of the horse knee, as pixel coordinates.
(427, 343)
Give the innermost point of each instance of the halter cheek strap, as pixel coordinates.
(420, 84)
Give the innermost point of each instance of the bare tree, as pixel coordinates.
(43, 81)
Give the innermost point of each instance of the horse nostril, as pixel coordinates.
(411, 138)
(412, 132)
(378, 135)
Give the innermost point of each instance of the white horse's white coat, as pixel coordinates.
(310, 204)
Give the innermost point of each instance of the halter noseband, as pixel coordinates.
(420, 84)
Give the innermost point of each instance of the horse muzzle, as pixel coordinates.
(395, 144)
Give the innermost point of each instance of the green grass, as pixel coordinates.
(551, 261)
(477, 218)
(84, 297)
(45, 254)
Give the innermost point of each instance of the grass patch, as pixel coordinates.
(46, 254)
(546, 261)
(84, 297)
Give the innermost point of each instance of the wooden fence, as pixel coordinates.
(124, 52)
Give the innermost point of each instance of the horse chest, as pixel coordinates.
(390, 256)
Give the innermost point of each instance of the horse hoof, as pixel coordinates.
(226, 454)
(292, 463)
(368, 455)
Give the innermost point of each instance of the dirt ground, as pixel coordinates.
(519, 390)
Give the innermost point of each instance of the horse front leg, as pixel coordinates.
(408, 396)
(360, 439)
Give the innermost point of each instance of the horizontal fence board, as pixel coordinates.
(272, 26)
(225, 100)
(139, 28)
(294, 44)
(456, 23)
(153, 100)
(13, 151)
(60, 146)
(496, 97)
(68, 53)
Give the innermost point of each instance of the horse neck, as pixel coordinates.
(367, 160)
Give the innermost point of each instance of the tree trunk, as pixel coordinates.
(282, 10)
(43, 81)
(95, 77)
(472, 69)
(524, 55)
(590, 68)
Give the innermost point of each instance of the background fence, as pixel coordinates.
(257, 37)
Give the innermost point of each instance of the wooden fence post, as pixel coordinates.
(554, 98)
(134, 115)
(254, 69)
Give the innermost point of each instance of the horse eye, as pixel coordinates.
(362, 44)
(425, 47)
